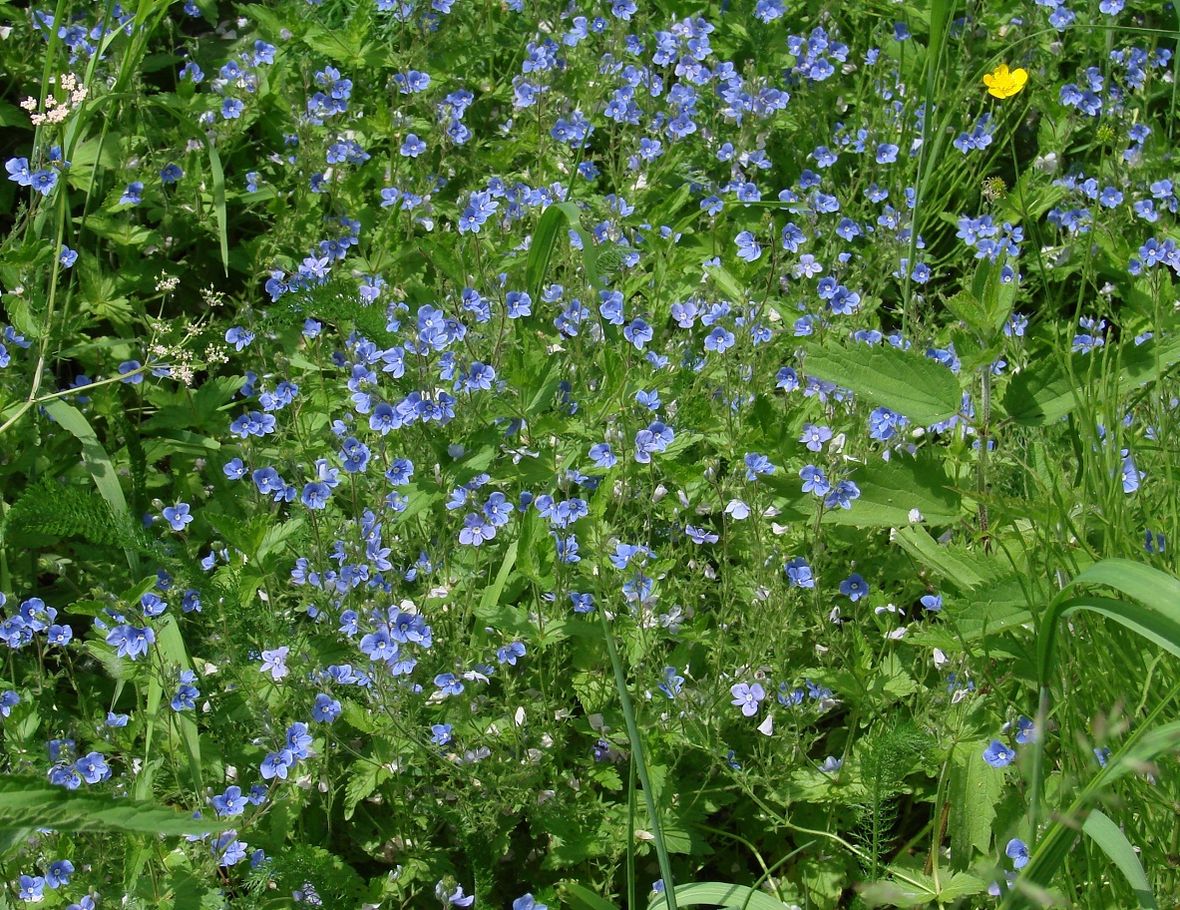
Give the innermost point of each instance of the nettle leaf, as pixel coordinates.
(903, 381)
(29, 802)
(890, 491)
(975, 789)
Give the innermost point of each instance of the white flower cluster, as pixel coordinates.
(57, 111)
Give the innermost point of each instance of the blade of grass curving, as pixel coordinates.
(98, 464)
(640, 761)
(29, 802)
(1155, 617)
(1110, 838)
(544, 242)
(1052, 849)
(719, 894)
(219, 203)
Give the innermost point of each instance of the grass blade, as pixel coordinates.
(218, 174)
(1107, 835)
(719, 894)
(98, 464)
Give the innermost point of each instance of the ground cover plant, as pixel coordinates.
(591, 454)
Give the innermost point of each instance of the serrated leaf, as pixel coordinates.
(964, 568)
(364, 777)
(975, 789)
(30, 802)
(891, 490)
(903, 381)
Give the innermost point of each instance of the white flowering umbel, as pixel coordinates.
(57, 111)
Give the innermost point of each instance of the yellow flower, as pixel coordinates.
(1004, 83)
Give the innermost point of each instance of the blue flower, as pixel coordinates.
(814, 436)
(177, 516)
(814, 480)
(229, 803)
(719, 340)
(842, 495)
(412, 146)
(130, 641)
(757, 465)
(130, 367)
(1017, 851)
(31, 889)
(315, 495)
(673, 682)
(44, 182)
(18, 171)
(58, 873)
(510, 653)
(749, 250)
(747, 697)
(854, 587)
(93, 767)
(326, 709)
(799, 573)
(276, 765)
(998, 755)
(8, 700)
(448, 684)
(603, 456)
(639, 333)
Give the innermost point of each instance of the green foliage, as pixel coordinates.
(28, 803)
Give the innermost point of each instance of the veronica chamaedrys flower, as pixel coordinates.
(748, 697)
(177, 516)
(275, 663)
(1017, 851)
(998, 755)
(854, 587)
(1004, 83)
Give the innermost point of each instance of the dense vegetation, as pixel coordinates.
(543, 454)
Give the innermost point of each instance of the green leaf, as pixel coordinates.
(1042, 393)
(219, 203)
(975, 789)
(97, 462)
(596, 259)
(891, 490)
(30, 802)
(364, 777)
(1107, 835)
(919, 388)
(170, 645)
(1156, 616)
(583, 898)
(543, 242)
(718, 894)
(964, 568)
